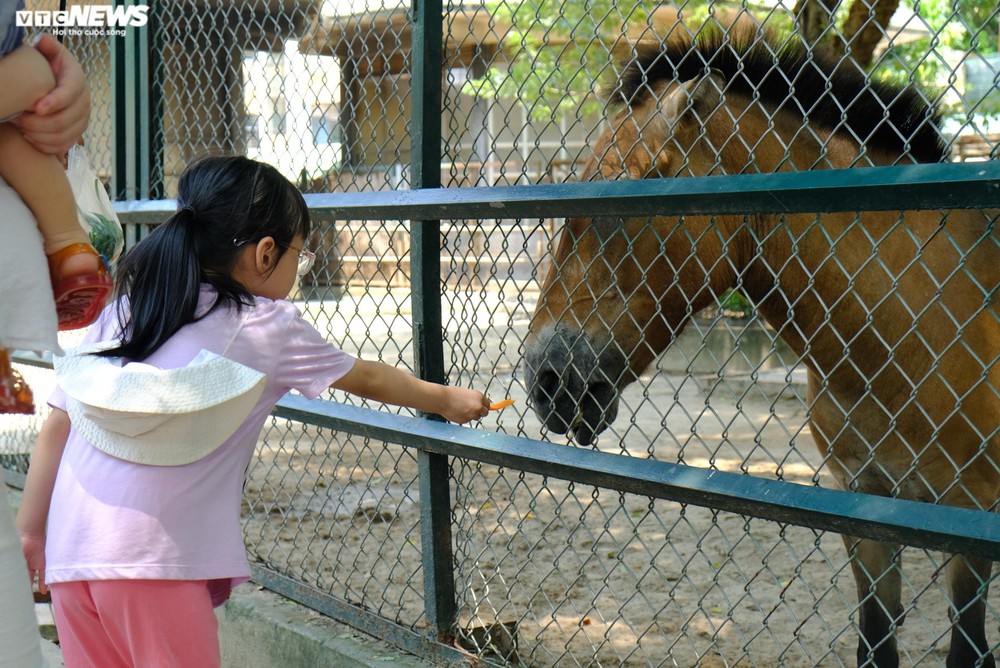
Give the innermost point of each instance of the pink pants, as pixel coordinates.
(136, 624)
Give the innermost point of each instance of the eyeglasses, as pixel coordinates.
(307, 259)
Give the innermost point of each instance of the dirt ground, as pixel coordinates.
(588, 577)
(592, 577)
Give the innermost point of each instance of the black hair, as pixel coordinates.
(223, 204)
(833, 94)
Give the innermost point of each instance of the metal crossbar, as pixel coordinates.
(880, 518)
(910, 187)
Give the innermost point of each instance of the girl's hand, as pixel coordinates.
(463, 405)
(58, 120)
(33, 548)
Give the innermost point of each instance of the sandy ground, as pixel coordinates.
(589, 577)
(593, 577)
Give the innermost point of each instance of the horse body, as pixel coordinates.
(893, 315)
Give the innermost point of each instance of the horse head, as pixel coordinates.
(614, 297)
(619, 290)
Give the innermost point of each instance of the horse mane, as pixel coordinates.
(830, 93)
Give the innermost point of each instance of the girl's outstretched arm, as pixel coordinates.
(38, 492)
(385, 383)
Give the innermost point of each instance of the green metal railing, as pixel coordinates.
(942, 528)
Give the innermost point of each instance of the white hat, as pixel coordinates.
(162, 417)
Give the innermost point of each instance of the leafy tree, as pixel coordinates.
(967, 28)
(559, 50)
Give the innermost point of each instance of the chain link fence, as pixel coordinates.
(550, 572)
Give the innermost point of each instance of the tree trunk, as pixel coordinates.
(814, 17)
(864, 28)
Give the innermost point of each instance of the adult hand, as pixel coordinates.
(58, 120)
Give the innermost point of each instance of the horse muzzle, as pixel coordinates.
(573, 381)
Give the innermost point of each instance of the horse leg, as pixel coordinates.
(968, 579)
(877, 578)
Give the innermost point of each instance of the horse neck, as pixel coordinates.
(761, 245)
(752, 138)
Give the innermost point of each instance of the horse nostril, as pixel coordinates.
(545, 387)
(598, 400)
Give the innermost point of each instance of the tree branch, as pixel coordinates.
(864, 28)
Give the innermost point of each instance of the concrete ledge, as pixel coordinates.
(47, 630)
(260, 629)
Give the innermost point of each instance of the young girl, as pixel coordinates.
(140, 468)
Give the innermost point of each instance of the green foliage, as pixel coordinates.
(735, 303)
(559, 50)
(105, 234)
(962, 26)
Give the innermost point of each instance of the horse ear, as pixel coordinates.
(694, 100)
(683, 111)
(708, 93)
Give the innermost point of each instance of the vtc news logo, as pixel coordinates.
(86, 16)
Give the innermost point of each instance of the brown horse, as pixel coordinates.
(894, 315)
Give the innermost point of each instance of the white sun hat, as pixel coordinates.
(161, 417)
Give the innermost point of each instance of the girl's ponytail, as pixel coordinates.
(160, 279)
(224, 203)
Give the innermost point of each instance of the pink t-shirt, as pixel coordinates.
(113, 519)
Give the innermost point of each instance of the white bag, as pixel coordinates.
(96, 213)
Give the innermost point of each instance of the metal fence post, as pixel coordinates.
(156, 155)
(136, 84)
(435, 492)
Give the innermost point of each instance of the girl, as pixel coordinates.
(140, 468)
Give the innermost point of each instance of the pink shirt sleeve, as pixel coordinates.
(309, 363)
